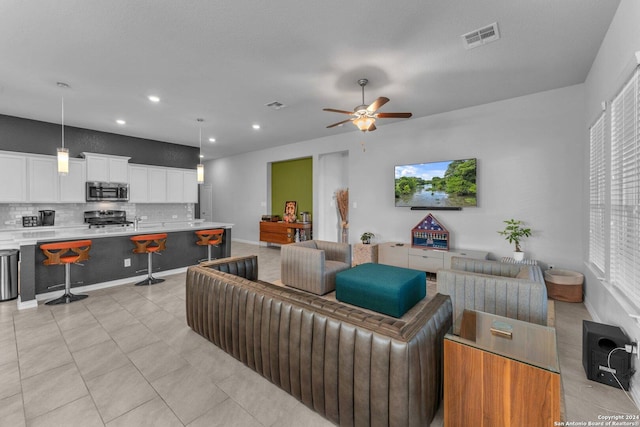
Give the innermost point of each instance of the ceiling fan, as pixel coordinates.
(364, 117)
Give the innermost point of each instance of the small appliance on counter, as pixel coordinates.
(30, 221)
(47, 217)
(106, 218)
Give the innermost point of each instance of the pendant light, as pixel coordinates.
(63, 153)
(200, 167)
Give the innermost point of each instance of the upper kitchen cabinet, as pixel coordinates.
(43, 179)
(157, 184)
(175, 185)
(107, 168)
(138, 184)
(190, 186)
(72, 185)
(13, 173)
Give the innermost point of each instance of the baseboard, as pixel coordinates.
(79, 289)
(249, 242)
(27, 304)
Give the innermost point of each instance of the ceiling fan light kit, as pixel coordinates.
(364, 116)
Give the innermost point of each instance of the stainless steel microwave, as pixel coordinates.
(107, 192)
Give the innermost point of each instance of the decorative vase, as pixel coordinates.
(518, 256)
(345, 235)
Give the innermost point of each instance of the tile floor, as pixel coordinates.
(125, 357)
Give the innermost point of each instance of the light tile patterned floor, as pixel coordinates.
(125, 357)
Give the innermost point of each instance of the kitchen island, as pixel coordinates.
(112, 261)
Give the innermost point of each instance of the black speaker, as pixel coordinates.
(598, 342)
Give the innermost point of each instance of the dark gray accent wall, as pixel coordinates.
(32, 136)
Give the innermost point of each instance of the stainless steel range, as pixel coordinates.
(106, 218)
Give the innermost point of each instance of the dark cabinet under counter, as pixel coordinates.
(107, 260)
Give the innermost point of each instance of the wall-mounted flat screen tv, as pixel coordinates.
(447, 184)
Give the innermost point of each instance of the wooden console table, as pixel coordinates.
(284, 233)
(501, 372)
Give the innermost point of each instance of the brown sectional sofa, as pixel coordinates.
(353, 366)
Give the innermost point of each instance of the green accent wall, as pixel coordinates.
(292, 180)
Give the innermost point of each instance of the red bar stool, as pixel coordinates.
(209, 238)
(66, 253)
(149, 244)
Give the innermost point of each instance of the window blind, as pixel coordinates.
(625, 190)
(597, 195)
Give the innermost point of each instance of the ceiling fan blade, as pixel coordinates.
(333, 110)
(375, 105)
(339, 123)
(393, 115)
(372, 127)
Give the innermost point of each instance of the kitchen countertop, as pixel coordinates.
(14, 238)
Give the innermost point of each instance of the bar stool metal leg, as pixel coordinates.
(150, 280)
(68, 297)
(149, 244)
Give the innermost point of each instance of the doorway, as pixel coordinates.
(206, 202)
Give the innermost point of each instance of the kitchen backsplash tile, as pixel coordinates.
(73, 213)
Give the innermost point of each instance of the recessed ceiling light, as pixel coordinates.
(212, 140)
(255, 126)
(154, 98)
(201, 156)
(121, 122)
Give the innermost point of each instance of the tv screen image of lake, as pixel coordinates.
(436, 184)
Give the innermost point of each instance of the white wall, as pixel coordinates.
(530, 159)
(613, 65)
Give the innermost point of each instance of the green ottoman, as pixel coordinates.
(382, 288)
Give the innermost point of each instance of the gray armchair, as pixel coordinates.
(312, 265)
(508, 290)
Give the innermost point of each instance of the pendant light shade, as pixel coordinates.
(63, 153)
(200, 167)
(200, 173)
(63, 161)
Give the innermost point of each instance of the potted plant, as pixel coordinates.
(366, 237)
(514, 232)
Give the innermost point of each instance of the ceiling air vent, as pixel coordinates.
(275, 105)
(481, 36)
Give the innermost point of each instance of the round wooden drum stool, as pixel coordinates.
(209, 238)
(66, 253)
(149, 244)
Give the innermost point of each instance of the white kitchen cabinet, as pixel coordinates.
(175, 185)
(42, 179)
(73, 185)
(157, 185)
(190, 190)
(13, 175)
(138, 184)
(107, 168)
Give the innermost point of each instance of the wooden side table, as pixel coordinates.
(364, 253)
(501, 372)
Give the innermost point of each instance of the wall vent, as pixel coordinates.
(275, 105)
(481, 36)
